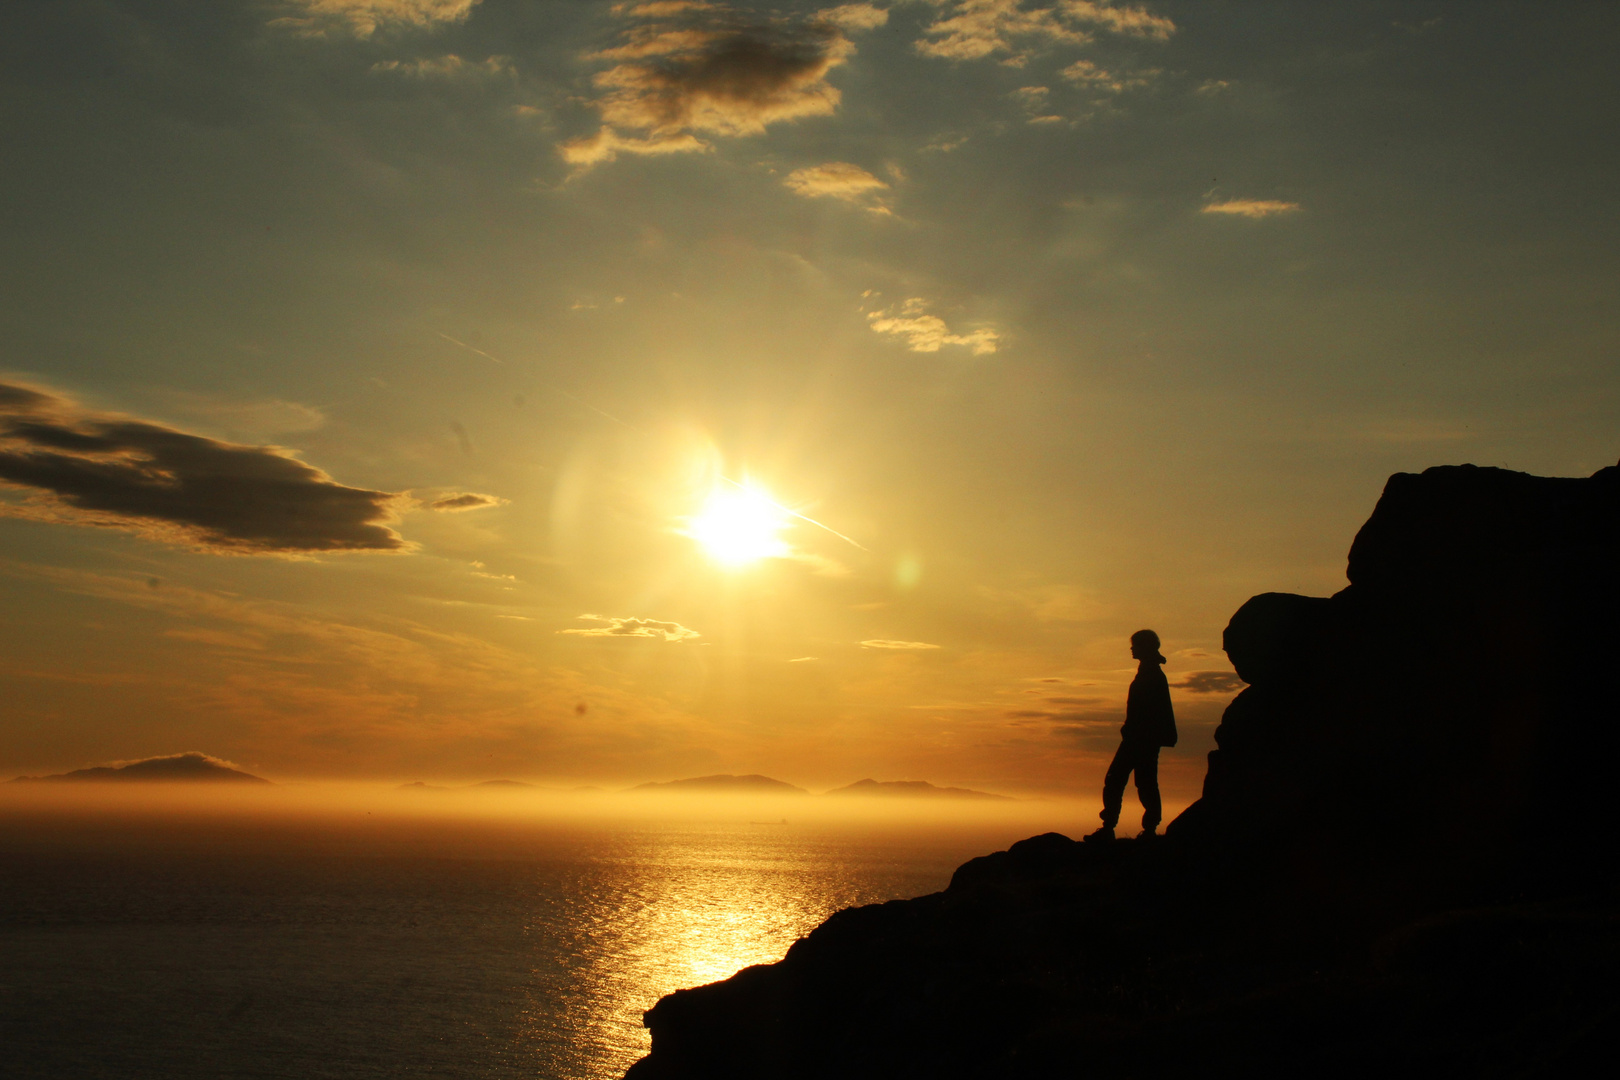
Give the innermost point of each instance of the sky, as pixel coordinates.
(599, 393)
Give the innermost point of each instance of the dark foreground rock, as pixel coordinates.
(1403, 858)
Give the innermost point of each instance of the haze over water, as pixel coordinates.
(356, 933)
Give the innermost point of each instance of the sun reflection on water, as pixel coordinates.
(684, 906)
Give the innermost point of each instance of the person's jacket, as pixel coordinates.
(1148, 715)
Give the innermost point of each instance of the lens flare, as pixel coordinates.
(738, 526)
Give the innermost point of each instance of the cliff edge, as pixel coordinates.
(1403, 855)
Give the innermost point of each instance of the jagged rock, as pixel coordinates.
(1402, 853)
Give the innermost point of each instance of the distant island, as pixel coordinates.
(187, 768)
(752, 784)
(913, 789)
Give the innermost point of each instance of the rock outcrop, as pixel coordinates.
(1403, 853)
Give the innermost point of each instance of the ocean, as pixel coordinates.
(347, 944)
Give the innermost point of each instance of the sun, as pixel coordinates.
(738, 526)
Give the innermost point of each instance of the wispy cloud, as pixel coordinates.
(1250, 208)
(84, 467)
(1049, 603)
(839, 180)
(1090, 76)
(472, 500)
(927, 333)
(633, 628)
(363, 18)
(974, 29)
(1035, 101)
(1210, 682)
(606, 145)
(239, 419)
(887, 643)
(450, 66)
(1119, 19)
(686, 68)
(370, 693)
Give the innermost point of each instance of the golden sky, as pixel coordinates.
(598, 393)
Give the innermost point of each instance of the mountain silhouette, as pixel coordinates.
(187, 768)
(1404, 856)
(916, 789)
(752, 784)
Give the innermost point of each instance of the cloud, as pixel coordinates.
(685, 68)
(1129, 19)
(85, 467)
(450, 66)
(1210, 682)
(927, 333)
(839, 180)
(637, 628)
(1250, 208)
(1072, 718)
(223, 639)
(884, 643)
(973, 29)
(1035, 100)
(1088, 75)
(242, 419)
(363, 18)
(606, 145)
(1050, 603)
(455, 504)
(372, 695)
(856, 16)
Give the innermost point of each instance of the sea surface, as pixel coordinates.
(348, 946)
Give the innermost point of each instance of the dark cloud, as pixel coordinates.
(94, 468)
(1210, 682)
(682, 68)
(453, 504)
(636, 628)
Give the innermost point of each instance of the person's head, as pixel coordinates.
(1145, 646)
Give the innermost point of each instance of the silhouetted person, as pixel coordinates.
(1150, 723)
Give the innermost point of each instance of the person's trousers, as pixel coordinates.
(1143, 760)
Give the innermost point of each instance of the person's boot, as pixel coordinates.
(1149, 833)
(1103, 834)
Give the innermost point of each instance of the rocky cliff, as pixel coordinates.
(1403, 854)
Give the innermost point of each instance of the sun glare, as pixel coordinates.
(738, 526)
